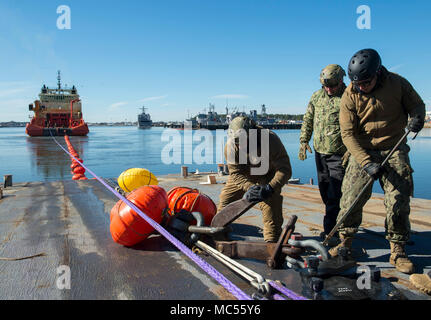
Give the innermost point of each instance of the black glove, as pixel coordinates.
(259, 193)
(416, 123)
(374, 170)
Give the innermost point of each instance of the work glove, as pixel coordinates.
(302, 155)
(374, 170)
(259, 193)
(416, 123)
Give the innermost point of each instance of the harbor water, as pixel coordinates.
(108, 151)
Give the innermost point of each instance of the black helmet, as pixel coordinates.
(364, 64)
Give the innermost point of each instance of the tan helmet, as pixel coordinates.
(238, 124)
(331, 75)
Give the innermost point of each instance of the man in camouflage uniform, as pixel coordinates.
(264, 187)
(373, 116)
(321, 119)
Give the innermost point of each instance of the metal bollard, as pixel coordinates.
(7, 180)
(311, 181)
(184, 171)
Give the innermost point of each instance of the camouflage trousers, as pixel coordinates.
(271, 208)
(397, 184)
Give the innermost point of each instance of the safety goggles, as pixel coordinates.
(331, 84)
(363, 83)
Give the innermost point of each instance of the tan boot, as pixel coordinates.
(399, 258)
(346, 242)
(422, 282)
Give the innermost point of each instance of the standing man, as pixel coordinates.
(373, 117)
(263, 187)
(322, 119)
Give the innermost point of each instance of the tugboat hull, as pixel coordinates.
(34, 130)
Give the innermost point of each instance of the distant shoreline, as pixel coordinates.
(13, 124)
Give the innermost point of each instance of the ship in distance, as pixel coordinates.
(144, 120)
(58, 112)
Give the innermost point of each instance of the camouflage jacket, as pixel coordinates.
(322, 119)
(377, 120)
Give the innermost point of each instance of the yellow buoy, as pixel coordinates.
(136, 177)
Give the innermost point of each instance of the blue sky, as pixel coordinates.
(176, 57)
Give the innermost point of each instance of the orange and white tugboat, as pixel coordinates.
(58, 112)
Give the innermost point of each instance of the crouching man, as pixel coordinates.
(258, 168)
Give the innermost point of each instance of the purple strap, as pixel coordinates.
(228, 285)
(288, 293)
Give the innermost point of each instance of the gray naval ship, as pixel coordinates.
(144, 120)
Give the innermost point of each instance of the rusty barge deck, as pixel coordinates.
(68, 222)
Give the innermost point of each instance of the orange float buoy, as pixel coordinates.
(127, 227)
(74, 165)
(191, 200)
(74, 161)
(79, 169)
(77, 176)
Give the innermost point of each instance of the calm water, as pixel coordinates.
(108, 151)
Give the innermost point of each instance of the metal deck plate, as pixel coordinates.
(69, 222)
